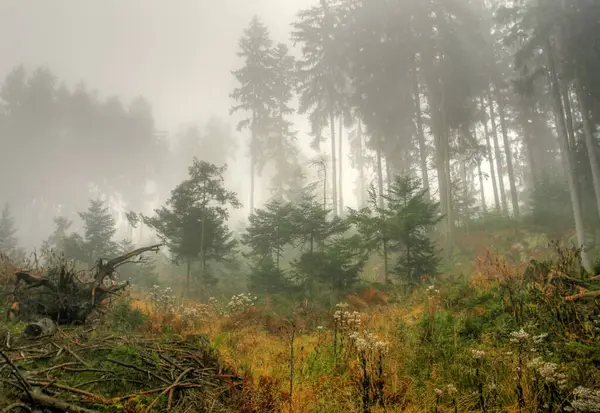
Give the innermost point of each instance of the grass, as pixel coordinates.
(444, 347)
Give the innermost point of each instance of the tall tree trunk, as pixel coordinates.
(361, 168)
(508, 153)
(498, 153)
(567, 154)
(420, 131)
(381, 206)
(379, 177)
(481, 188)
(526, 119)
(389, 175)
(465, 187)
(334, 195)
(341, 161)
(490, 158)
(188, 276)
(589, 141)
(252, 161)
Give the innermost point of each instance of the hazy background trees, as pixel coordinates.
(491, 106)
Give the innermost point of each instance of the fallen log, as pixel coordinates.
(40, 329)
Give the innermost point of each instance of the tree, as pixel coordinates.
(269, 231)
(323, 79)
(371, 222)
(254, 96)
(281, 147)
(8, 241)
(99, 229)
(193, 221)
(433, 52)
(412, 217)
(58, 239)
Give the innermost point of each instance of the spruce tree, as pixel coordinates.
(99, 229)
(254, 95)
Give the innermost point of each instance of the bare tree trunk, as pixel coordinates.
(388, 174)
(380, 177)
(481, 189)
(589, 141)
(465, 188)
(508, 153)
(341, 161)
(526, 118)
(252, 161)
(490, 158)
(361, 167)
(498, 153)
(420, 132)
(381, 206)
(567, 155)
(334, 195)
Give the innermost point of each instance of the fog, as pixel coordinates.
(178, 56)
(114, 99)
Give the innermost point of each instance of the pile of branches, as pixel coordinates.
(120, 374)
(66, 296)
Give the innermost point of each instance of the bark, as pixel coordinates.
(589, 141)
(465, 188)
(188, 272)
(481, 188)
(361, 167)
(491, 162)
(567, 154)
(498, 153)
(334, 195)
(508, 153)
(420, 132)
(380, 177)
(341, 161)
(252, 162)
(526, 117)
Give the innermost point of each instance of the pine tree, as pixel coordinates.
(412, 216)
(281, 148)
(193, 221)
(323, 78)
(254, 96)
(57, 240)
(99, 229)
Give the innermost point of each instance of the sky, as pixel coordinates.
(178, 54)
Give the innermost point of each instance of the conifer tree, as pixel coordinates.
(99, 230)
(193, 221)
(254, 95)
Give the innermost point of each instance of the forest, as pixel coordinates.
(224, 266)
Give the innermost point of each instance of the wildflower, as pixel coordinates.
(520, 336)
(382, 347)
(320, 328)
(540, 338)
(477, 354)
(438, 392)
(586, 400)
(451, 389)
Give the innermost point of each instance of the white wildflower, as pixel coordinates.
(520, 336)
